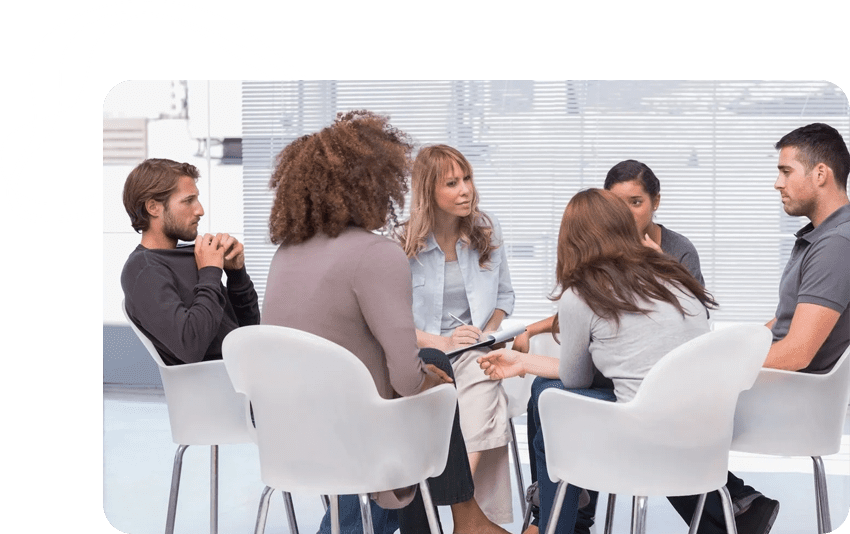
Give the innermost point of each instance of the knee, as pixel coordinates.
(438, 359)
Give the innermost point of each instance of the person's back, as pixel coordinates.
(337, 288)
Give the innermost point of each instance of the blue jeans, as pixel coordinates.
(567, 521)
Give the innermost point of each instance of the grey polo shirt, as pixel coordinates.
(818, 272)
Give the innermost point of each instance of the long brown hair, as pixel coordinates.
(431, 166)
(601, 257)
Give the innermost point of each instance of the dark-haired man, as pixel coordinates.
(174, 294)
(811, 328)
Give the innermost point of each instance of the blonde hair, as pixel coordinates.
(432, 164)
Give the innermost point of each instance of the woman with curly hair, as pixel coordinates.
(461, 288)
(333, 277)
(621, 307)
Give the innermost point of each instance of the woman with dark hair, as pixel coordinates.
(621, 307)
(334, 277)
(462, 288)
(637, 185)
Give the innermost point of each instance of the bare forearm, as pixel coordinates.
(540, 365)
(426, 340)
(495, 321)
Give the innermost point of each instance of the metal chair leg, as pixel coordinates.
(697, 514)
(175, 489)
(263, 511)
(517, 468)
(334, 514)
(728, 511)
(214, 489)
(821, 497)
(609, 513)
(638, 514)
(326, 502)
(560, 493)
(290, 512)
(430, 511)
(366, 514)
(526, 518)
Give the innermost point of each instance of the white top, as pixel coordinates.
(624, 354)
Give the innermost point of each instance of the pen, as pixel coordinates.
(456, 318)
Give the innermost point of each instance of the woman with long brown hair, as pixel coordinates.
(621, 307)
(461, 289)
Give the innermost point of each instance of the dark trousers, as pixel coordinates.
(453, 486)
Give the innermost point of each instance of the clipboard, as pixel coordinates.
(498, 336)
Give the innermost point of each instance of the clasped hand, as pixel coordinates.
(221, 250)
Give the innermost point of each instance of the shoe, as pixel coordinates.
(532, 496)
(759, 517)
(742, 504)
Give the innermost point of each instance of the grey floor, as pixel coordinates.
(138, 454)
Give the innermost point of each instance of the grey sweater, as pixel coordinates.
(624, 354)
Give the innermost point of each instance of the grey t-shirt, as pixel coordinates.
(681, 248)
(626, 353)
(818, 272)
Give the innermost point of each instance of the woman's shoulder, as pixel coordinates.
(674, 240)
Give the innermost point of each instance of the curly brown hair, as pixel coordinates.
(349, 173)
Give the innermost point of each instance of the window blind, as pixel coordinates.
(533, 144)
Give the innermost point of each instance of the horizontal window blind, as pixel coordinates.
(534, 144)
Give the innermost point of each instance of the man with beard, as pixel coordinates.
(174, 294)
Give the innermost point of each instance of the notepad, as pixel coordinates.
(498, 336)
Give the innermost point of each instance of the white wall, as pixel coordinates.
(220, 185)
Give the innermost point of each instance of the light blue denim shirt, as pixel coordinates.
(487, 288)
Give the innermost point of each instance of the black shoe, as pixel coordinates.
(759, 517)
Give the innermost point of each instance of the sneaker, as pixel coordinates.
(532, 496)
(742, 504)
(759, 516)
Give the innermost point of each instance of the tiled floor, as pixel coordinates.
(138, 454)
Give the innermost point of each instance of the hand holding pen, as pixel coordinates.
(463, 335)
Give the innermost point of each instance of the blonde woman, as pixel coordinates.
(461, 289)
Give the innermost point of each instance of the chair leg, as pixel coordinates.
(697, 514)
(326, 502)
(334, 514)
(609, 513)
(175, 489)
(290, 512)
(560, 493)
(366, 514)
(526, 518)
(638, 514)
(214, 489)
(263, 511)
(728, 511)
(517, 468)
(821, 497)
(430, 511)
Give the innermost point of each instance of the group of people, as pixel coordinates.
(628, 290)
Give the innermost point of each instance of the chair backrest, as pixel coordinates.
(695, 387)
(673, 438)
(789, 413)
(321, 425)
(203, 407)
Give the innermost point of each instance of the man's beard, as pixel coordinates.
(173, 231)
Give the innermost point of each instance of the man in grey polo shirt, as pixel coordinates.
(812, 325)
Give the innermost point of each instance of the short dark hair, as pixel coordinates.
(152, 179)
(631, 169)
(819, 143)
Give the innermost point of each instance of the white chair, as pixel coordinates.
(322, 428)
(203, 409)
(789, 413)
(673, 438)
